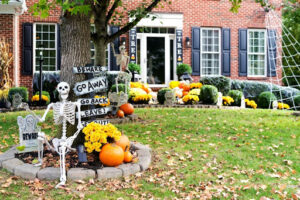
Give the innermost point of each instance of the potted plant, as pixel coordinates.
(183, 69)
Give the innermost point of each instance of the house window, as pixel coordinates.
(210, 51)
(45, 41)
(257, 52)
(93, 51)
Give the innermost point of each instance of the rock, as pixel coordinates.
(138, 146)
(11, 164)
(27, 171)
(144, 159)
(109, 172)
(128, 169)
(80, 174)
(49, 173)
(9, 154)
(132, 117)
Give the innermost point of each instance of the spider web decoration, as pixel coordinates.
(283, 49)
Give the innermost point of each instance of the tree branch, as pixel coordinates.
(130, 25)
(111, 11)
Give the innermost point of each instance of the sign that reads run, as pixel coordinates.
(94, 112)
(89, 69)
(92, 85)
(93, 101)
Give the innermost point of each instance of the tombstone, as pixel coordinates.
(275, 105)
(17, 100)
(243, 103)
(28, 133)
(220, 99)
(169, 98)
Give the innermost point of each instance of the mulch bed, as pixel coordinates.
(51, 159)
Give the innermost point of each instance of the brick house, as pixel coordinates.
(203, 34)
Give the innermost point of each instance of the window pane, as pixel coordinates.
(155, 30)
(256, 54)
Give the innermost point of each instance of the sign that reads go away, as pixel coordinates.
(93, 101)
(92, 85)
(94, 112)
(89, 69)
(98, 121)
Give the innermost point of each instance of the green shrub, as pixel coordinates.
(134, 68)
(289, 75)
(182, 68)
(237, 96)
(221, 82)
(45, 93)
(297, 102)
(265, 100)
(161, 95)
(21, 90)
(121, 87)
(209, 94)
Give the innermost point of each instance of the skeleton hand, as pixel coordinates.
(24, 105)
(42, 119)
(112, 45)
(79, 126)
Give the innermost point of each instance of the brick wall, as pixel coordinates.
(26, 80)
(7, 32)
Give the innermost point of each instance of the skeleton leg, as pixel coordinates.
(41, 138)
(62, 163)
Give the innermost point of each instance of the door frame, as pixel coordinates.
(143, 56)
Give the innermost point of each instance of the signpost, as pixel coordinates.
(102, 122)
(91, 85)
(94, 112)
(89, 69)
(93, 101)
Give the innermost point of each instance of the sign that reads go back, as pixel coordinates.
(89, 69)
(93, 101)
(92, 85)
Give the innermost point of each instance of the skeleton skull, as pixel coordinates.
(63, 89)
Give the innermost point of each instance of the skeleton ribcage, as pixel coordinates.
(68, 112)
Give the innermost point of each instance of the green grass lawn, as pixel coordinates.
(197, 153)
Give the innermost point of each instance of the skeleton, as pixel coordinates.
(122, 58)
(63, 112)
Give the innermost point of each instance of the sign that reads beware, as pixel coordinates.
(93, 101)
(102, 122)
(92, 85)
(89, 69)
(94, 112)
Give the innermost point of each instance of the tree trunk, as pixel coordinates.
(75, 51)
(100, 53)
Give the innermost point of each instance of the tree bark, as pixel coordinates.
(75, 51)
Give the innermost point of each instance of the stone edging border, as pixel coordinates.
(28, 171)
(184, 106)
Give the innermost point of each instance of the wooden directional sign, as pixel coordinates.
(92, 85)
(93, 101)
(89, 69)
(98, 121)
(94, 112)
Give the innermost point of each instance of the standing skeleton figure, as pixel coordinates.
(63, 112)
(122, 58)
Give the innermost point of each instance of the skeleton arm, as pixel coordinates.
(45, 114)
(113, 48)
(79, 126)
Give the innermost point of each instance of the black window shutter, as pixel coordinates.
(226, 39)
(27, 51)
(243, 52)
(196, 51)
(271, 59)
(113, 61)
(58, 59)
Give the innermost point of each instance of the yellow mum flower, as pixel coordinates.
(174, 84)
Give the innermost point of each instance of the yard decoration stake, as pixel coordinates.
(220, 99)
(243, 103)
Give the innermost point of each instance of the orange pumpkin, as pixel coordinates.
(120, 113)
(127, 108)
(127, 156)
(123, 142)
(184, 93)
(111, 155)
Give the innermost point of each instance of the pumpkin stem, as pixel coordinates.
(126, 148)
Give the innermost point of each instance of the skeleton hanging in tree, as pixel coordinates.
(63, 112)
(122, 58)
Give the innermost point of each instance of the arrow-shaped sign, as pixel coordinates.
(98, 121)
(89, 69)
(93, 101)
(94, 112)
(92, 85)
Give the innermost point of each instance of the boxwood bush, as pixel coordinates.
(222, 83)
(237, 96)
(182, 68)
(21, 90)
(161, 95)
(265, 100)
(297, 102)
(209, 94)
(121, 87)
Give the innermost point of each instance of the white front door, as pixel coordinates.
(156, 57)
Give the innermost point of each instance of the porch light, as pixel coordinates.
(186, 77)
(188, 42)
